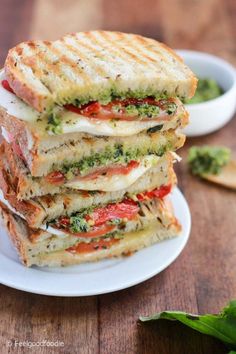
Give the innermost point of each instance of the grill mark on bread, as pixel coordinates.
(123, 49)
(150, 44)
(69, 63)
(131, 44)
(96, 68)
(103, 51)
(85, 77)
(37, 69)
(141, 48)
(48, 67)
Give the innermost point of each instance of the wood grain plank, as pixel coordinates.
(201, 25)
(36, 318)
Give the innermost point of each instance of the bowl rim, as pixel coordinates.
(222, 62)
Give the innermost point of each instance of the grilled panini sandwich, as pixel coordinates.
(90, 125)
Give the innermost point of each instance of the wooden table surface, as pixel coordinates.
(203, 278)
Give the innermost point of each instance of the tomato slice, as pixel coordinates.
(126, 209)
(155, 193)
(55, 177)
(83, 247)
(111, 171)
(96, 110)
(88, 109)
(5, 84)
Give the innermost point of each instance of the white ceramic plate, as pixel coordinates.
(95, 278)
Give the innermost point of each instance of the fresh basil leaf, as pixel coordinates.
(221, 326)
(155, 129)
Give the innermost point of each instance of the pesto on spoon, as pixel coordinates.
(213, 163)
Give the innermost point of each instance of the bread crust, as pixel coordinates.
(11, 225)
(22, 90)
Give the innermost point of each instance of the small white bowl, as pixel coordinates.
(208, 116)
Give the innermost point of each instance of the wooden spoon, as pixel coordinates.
(227, 176)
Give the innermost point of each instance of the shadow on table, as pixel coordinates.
(165, 337)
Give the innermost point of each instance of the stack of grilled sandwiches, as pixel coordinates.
(90, 126)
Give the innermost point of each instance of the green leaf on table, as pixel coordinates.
(221, 326)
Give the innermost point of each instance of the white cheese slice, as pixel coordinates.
(117, 181)
(73, 122)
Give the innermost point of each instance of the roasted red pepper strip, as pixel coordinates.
(156, 193)
(83, 247)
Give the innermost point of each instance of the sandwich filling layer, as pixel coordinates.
(120, 117)
(100, 221)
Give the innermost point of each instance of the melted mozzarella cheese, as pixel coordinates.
(117, 181)
(73, 122)
(54, 231)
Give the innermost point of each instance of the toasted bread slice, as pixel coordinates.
(93, 66)
(156, 222)
(38, 211)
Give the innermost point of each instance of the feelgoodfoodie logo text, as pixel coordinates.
(15, 343)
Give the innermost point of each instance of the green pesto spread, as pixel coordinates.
(142, 110)
(118, 154)
(105, 97)
(54, 123)
(207, 89)
(78, 223)
(205, 160)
